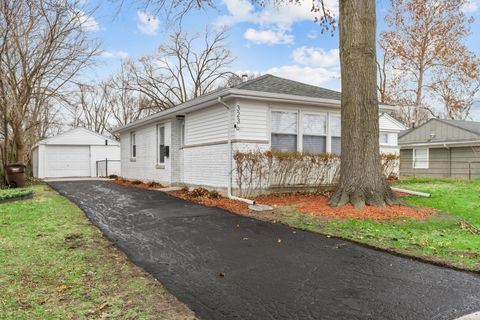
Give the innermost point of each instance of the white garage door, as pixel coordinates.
(67, 161)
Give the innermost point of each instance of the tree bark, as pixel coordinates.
(361, 178)
(20, 149)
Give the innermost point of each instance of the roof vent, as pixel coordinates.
(244, 77)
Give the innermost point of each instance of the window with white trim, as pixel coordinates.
(284, 131)
(336, 133)
(160, 144)
(420, 158)
(384, 138)
(314, 133)
(133, 145)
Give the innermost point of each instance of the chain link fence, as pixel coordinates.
(108, 167)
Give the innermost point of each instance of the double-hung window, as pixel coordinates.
(314, 133)
(420, 158)
(336, 133)
(133, 145)
(161, 154)
(284, 131)
(384, 138)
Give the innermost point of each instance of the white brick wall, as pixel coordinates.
(145, 165)
(206, 165)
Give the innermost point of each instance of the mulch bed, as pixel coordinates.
(313, 204)
(317, 205)
(224, 203)
(138, 184)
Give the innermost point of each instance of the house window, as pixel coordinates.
(420, 158)
(314, 133)
(384, 138)
(336, 133)
(133, 145)
(284, 131)
(161, 144)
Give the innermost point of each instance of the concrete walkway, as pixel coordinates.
(225, 266)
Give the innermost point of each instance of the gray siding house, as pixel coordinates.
(441, 148)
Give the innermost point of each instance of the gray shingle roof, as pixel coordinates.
(471, 126)
(273, 84)
(404, 132)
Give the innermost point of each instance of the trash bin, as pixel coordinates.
(15, 173)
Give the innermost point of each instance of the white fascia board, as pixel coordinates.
(198, 103)
(278, 97)
(208, 100)
(440, 144)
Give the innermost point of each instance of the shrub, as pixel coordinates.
(263, 169)
(185, 189)
(390, 165)
(214, 195)
(136, 182)
(154, 184)
(113, 176)
(13, 193)
(259, 170)
(199, 192)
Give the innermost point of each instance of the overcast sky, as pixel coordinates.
(283, 41)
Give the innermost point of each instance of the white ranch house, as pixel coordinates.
(190, 144)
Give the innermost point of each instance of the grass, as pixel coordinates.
(56, 265)
(438, 238)
(13, 193)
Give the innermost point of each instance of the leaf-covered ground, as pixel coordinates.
(56, 265)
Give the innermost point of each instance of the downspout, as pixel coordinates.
(230, 156)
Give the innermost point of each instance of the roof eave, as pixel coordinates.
(441, 143)
(193, 104)
(202, 102)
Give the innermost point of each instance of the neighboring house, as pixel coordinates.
(74, 154)
(441, 148)
(191, 143)
(389, 131)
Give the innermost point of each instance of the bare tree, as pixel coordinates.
(424, 54)
(183, 69)
(125, 102)
(90, 107)
(44, 46)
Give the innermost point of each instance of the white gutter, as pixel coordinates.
(230, 156)
(441, 144)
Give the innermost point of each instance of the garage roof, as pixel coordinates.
(79, 136)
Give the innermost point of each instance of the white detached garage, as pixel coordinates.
(74, 154)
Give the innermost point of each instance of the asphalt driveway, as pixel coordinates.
(225, 266)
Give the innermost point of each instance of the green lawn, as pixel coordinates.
(438, 238)
(55, 265)
(12, 193)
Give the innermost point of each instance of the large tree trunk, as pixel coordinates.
(361, 178)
